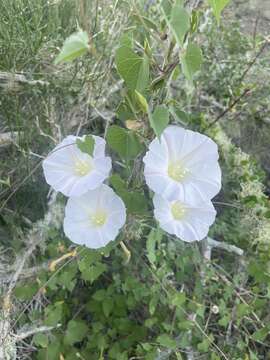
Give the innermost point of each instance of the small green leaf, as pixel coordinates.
(191, 61)
(261, 334)
(74, 46)
(87, 144)
(218, 6)
(54, 314)
(179, 23)
(124, 142)
(100, 295)
(118, 184)
(152, 305)
(41, 340)
(141, 102)
(52, 351)
(107, 306)
(143, 76)
(93, 272)
(159, 119)
(76, 331)
(179, 299)
(179, 115)
(133, 68)
(153, 238)
(205, 344)
(166, 341)
(134, 200)
(126, 40)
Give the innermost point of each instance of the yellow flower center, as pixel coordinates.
(177, 172)
(99, 218)
(82, 168)
(178, 210)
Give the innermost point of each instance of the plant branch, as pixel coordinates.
(229, 108)
(21, 335)
(252, 62)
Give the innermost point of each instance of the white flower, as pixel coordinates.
(95, 218)
(189, 222)
(183, 164)
(69, 170)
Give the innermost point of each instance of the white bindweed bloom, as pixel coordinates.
(72, 172)
(183, 164)
(95, 218)
(189, 222)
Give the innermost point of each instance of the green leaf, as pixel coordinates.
(87, 144)
(107, 306)
(153, 238)
(134, 200)
(124, 142)
(93, 272)
(191, 61)
(261, 334)
(126, 40)
(179, 115)
(166, 341)
(74, 46)
(166, 8)
(100, 295)
(205, 344)
(141, 102)
(218, 6)
(76, 331)
(26, 292)
(118, 184)
(133, 68)
(143, 76)
(159, 119)
(179, 299)
(54, 314)
(41, 340)
(153, 304)
(179, 23)
(51, 352)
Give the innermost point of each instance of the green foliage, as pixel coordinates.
(74, 46)
(76, 331)
(133, 68)
(167, 301)
(126, 143)
(134, 200)
(218, 6)
(179, 22)
(191, 60)
(141, 101)
(152, 241)
(86, 145)
(159, 119)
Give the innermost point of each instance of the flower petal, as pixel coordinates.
(183, 165)
(81, 228)
(69, 170)
(196, 220)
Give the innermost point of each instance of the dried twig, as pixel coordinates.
(252, 62)
(229, 108)
(11, 82)
(222, 245)
(21, 335)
